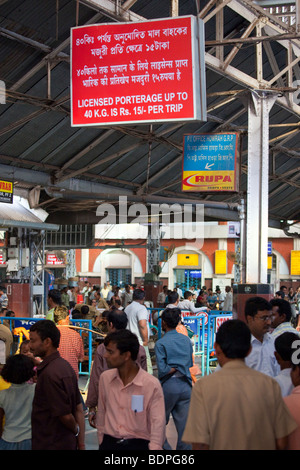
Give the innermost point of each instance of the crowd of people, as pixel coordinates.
(249, 402)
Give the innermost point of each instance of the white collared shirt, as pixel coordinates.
(262, 357)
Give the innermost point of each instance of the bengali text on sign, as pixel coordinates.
(137, 72)
(210, 162)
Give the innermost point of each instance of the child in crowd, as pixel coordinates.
(25, 349)
(16, 403)
(283, 353)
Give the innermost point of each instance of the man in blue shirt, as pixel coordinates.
(211, 299)
(174, 353)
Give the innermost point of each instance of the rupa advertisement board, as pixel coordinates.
(138, 72)
(210, 162)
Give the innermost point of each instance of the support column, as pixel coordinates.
(254, 253)
(257, 214)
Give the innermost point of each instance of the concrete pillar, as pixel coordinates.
(257, 210)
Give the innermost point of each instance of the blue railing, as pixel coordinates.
(204, 327)
(82, 326)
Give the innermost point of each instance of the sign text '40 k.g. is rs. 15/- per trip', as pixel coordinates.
(138, 72)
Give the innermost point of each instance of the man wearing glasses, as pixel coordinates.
(259, 317)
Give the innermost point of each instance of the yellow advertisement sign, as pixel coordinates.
(295, 262)
(208, 180)
(187, 259)
(6, 186)
(220, 262)
(6, 191)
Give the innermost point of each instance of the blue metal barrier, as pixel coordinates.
(82, 325)
(215, 319)
(205, 327)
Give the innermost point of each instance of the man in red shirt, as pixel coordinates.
(57, 412)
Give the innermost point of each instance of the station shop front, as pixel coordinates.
(214, 264)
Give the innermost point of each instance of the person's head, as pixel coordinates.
(279, 294)
(284, 348)
(18, 369)
(187, 295)
(170, 318)
(2, 290)
(76, 315)
(117, 320)
(258, 314)
(283, 289)
(10, 313)
(84, 310)
(228, 289)
(281, 310)
(61, 315)
(138, 295)
(122, 347)
(173, 298)
(233, 341)
(44, 338)
(25, 347)
(54, 298)
(165, 289)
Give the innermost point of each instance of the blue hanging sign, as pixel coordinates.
(210, 162)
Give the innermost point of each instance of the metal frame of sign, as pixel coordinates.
(133, 95)
(210, 172)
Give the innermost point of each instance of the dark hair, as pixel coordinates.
(47, 329)
(118, 318)
(125, 341)
(85, 309)
(187, 294)
(173, 297)
(284, 307)
(55, 295)
(256, 304)
(138, 294)
(9, 313)
(76, 314)
(171, 317)
(279, 292)
(18, 369)
(283, 345)
(234, 338)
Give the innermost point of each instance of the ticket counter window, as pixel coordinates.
(118, 277)
(186, 278)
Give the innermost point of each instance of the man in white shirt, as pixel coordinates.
(282, 315)
(221, 298)
(187, 304)
(138, 322)
(228, 300)
(258, 313)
